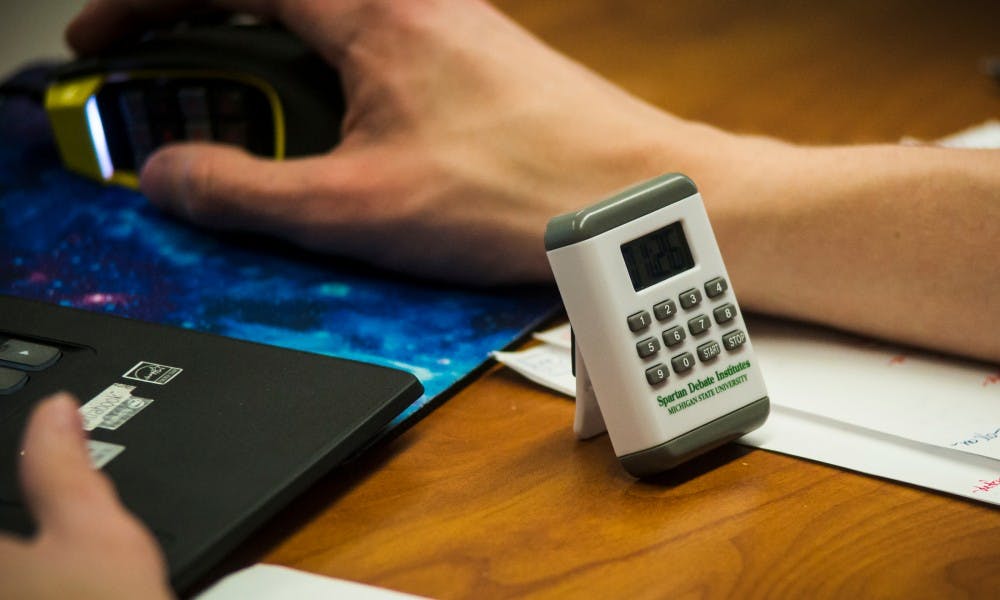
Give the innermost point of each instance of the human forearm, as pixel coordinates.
(890, 241)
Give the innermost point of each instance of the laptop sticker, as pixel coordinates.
(152, 373)
(101, 453)
(125, 410)
(101, 405)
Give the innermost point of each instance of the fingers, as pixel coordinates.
(102, 22)
(60, 486)
(88, 545)
(323, 24)
(17, 569)
(226, 188)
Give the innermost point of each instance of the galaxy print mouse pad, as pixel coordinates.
(69, 241)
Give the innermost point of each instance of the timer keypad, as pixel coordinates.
(690, 298)
(708, 351)
(638, 321)
(698, 327)
(682, 362)
(734, 339)
(647, 347)
(725, 313)
(699, 324)
(664, 310)
(656, 374)
(674, 336)
(716, 287)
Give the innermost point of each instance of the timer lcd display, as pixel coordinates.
(657, 256)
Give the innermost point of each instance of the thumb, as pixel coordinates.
(60, 485)
(227, 188)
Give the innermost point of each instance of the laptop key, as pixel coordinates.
(11, 380)
(26, 355)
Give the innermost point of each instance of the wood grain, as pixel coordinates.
(491, 496)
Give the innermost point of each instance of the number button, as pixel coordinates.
(734, 339)
(699, 324)
(674, 336)
(725, 313)
(638, 321)
(690, 298)
(655, 375)
(682, 362)
(716, 287)
(708, 351)
(648, 347)
(665, 310)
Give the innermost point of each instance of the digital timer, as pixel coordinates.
(662, 356)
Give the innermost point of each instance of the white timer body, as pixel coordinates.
(663, 359)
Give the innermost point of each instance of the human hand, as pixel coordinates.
(88, 545)
(463, 136)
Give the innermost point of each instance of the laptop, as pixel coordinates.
(219, 375)
(204, 436)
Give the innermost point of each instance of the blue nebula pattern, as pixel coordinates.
(69, 241)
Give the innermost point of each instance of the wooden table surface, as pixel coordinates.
(492, 496)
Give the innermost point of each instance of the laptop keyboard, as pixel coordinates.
(19, 358)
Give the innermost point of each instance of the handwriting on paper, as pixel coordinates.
(986, 485)
(979, 438)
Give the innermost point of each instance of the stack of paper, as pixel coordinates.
(922, 419)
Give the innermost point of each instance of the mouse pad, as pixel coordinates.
(71, 241)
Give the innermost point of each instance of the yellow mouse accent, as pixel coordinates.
(66, 104)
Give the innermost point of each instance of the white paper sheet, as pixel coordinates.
(876, 453)
(922, 397)
(984, 135)
(557, 336)
(547, 365)
(271, 582)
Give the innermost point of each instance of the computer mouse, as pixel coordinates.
(254, 86)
